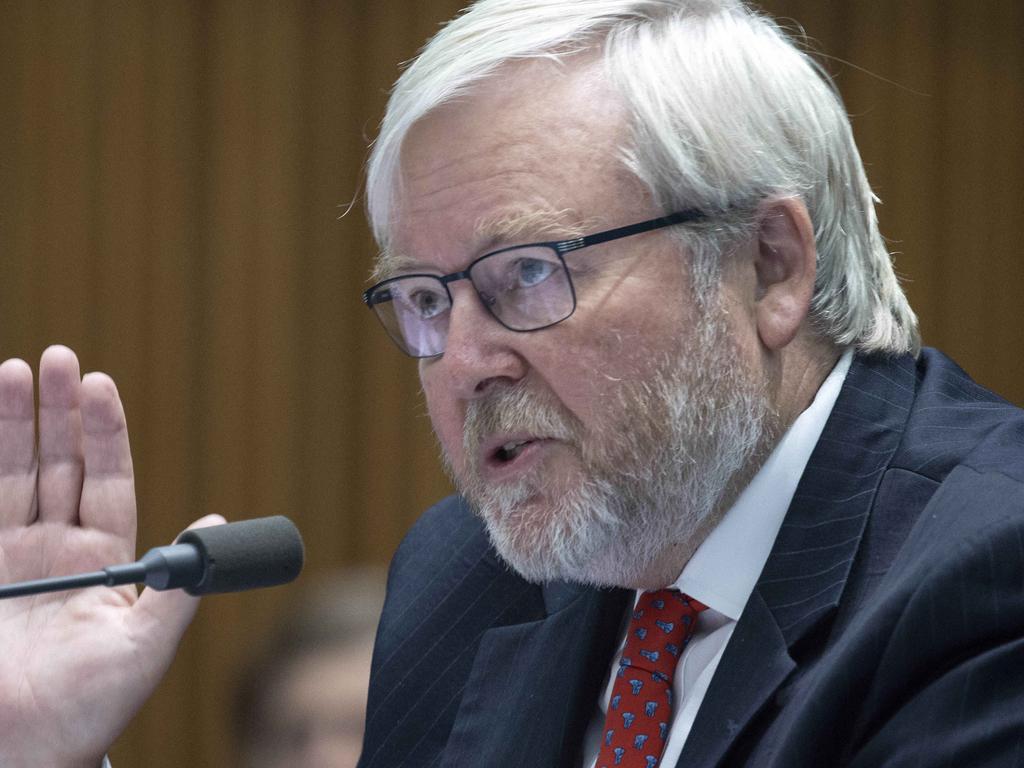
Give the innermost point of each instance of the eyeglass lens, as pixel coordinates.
(523, 288)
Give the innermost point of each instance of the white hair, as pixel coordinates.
(725, 111)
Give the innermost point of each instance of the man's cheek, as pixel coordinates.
(448, 426)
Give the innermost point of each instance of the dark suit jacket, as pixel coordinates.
(887, 628)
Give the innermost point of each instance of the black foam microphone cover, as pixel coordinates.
(246, 555)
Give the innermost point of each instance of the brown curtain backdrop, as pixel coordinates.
(174, 182)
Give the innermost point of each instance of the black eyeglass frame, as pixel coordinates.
(560, 247)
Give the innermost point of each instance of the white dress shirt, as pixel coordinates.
(724, 570)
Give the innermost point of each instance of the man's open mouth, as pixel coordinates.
(510, 450)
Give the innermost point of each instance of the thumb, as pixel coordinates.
(161, 618)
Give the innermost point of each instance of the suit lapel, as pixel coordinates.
(754, 665)
(533, 686)
(806, 573)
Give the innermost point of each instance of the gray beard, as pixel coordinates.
(675, 451)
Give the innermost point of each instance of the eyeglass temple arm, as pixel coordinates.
(680, 217)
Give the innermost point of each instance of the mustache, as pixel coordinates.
(516, 408)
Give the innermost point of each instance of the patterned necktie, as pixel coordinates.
(640, 710)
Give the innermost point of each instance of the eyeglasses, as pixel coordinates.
(524, 287)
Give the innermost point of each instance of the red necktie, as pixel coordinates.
(640, 710)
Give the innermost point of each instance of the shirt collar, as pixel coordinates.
(724, 570)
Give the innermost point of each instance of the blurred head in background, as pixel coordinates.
(302, 699)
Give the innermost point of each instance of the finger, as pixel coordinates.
(60, 436)
(17, 444)
(207, 521)
(108, 489)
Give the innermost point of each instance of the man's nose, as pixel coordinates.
(479, 352)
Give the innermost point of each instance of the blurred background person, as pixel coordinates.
(301, 701)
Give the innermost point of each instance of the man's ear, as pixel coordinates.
(785, 265)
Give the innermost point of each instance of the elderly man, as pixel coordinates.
(716, 506)
(662, 345)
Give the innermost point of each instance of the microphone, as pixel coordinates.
(222, 558)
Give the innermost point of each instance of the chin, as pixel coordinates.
(569, 536)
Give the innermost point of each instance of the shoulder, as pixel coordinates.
(446, 589)
(953, 436)
(958, 473)
(956, 422)
(444, 536)
(934, 617)
(961, 463)
(444, 562)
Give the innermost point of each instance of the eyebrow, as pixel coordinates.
(529, 223)
(501, 227)
(389, 264)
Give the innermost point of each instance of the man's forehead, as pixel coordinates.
(515, 159)
(525, 110)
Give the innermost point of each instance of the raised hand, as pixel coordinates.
(74, 666)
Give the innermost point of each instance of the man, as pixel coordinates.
(726, 398)
(670, 367)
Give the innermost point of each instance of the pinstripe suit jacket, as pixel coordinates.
(887, 628)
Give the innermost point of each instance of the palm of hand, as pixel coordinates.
(59, 641)
(76, 665)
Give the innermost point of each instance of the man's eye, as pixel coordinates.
(428, 304)
(530, 272)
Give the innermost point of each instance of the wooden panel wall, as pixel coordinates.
(172, 182)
